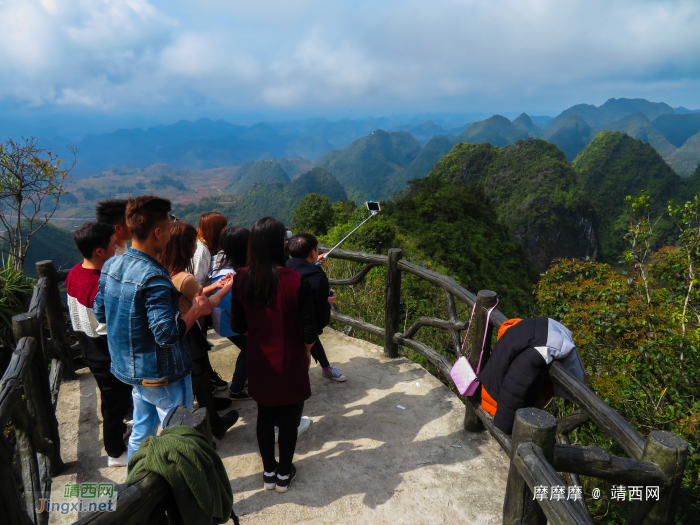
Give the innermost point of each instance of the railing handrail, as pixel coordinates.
(29, 390)
(659, 458)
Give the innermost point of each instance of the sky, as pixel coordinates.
(78, 66)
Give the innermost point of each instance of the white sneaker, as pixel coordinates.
(121, 461)
(304, 425)
(129, 425)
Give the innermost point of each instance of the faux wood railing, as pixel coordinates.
(28, 394)
(539, 448)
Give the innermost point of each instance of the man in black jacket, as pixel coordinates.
(303, 249)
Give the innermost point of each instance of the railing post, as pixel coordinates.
(670, 453)
(37, 393)
(55, 318)
(485, 299)
(392, 302)
(531, 426)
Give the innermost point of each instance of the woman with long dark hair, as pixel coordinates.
(231, 258)
(274, 306)
(177, 258)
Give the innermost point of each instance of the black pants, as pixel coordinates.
(288, 418)
(115, 399)
(201, 388)
(319, 354)
(240, 374)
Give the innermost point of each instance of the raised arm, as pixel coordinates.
(165, 321)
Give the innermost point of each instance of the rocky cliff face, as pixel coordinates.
(556, 232)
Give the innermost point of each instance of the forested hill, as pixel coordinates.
(367, 167)
(497, 130)
(260, 172)
(615, 165)
(278, 199)
(535, 194)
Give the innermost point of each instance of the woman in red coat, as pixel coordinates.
(274, 306)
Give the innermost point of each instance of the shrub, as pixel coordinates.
(15, 293)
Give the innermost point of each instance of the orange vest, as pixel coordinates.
(487, 402)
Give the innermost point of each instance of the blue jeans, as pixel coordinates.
(240, 374)
(152, 404)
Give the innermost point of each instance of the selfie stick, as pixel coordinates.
(348, 235)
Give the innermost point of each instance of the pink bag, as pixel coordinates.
(462, 372)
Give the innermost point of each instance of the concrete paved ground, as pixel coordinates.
(364, 460)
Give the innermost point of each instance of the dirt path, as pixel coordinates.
(364, 460)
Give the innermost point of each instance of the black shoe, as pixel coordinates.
(227, 421)
(240, 396)
(222, 403)
(270, 480)
(284, 484)
(217, 382)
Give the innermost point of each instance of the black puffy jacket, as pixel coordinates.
(515, 373)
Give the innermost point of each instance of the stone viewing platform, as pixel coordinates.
(363, 460)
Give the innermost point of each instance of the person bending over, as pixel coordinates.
(303, 249)
(145, 331)
(113, 212)
(96, 243)
(273, 305)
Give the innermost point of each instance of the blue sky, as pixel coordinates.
(107, 63)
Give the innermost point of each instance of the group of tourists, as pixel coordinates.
(141, 316)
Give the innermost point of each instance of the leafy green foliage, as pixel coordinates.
(276, 199)
(633, 356)
(15, 293)
(449, 229)
(614, 165)
(314, 214)
(258, 172)
(366, 168)
(534, 192)
(497, 130)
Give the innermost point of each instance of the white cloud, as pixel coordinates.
(310, 53)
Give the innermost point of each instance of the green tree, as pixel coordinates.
(31, 184)
(314, 214)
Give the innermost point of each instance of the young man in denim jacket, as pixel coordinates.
(145, 331)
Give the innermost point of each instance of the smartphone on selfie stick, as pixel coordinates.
(372, 206)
